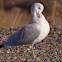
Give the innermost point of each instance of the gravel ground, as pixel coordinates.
(48, 50)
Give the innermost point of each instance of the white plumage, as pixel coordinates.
(33, 32)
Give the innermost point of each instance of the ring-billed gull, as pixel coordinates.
(33, 32)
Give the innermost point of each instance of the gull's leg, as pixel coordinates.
(33, 50)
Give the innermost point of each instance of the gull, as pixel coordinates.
(33, 32)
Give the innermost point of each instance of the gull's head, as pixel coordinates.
(37, 9)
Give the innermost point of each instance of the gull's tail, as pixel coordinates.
(1, 45)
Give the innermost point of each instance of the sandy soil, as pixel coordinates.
(49, 50)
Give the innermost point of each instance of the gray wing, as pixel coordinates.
(25, 36)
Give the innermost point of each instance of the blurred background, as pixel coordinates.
(16, 13)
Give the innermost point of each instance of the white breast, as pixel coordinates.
(44, 30)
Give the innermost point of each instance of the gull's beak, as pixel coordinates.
(38, 15)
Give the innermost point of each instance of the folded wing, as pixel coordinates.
(26, 35)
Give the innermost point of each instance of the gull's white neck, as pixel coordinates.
(38, 19)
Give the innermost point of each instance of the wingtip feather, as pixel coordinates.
(1, 45)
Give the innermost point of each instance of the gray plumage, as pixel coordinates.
(33, 32)
(25, 36)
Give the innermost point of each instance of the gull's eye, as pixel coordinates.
(39, 8)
